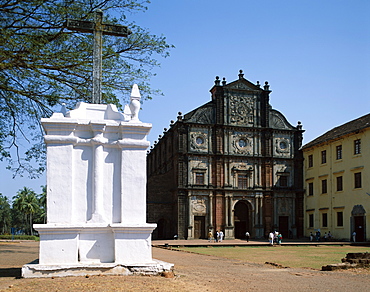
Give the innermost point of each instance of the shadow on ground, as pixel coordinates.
(11, 272)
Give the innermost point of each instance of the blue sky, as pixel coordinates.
(315, 54)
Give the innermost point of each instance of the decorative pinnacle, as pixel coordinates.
(135, 93)
(267, 86)
(241, 75)
(217, 81)
(224, 81)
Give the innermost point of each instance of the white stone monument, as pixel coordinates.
(96, 194)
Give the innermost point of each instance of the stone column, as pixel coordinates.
(210, 210)
(133, 173)
(229, 218)
(59, 177)
(190, 217)
(227, 210)
(98, 175)
(275, 211)
(259, 215)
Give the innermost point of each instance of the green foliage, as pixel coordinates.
(42, 65)
(20, 237)
(5, 215)
(26, 202)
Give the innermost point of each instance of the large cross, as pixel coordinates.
(98, 28)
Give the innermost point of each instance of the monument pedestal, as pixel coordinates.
(95, 250)
(96, 195)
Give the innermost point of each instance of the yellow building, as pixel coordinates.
(336, 173)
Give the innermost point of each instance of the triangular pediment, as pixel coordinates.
(201, 115)
(243, 84)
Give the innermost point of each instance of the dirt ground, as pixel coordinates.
(193, 272)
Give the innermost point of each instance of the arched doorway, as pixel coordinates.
(358, 222)
(241, 219)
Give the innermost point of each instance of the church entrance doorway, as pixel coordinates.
(199, 227)
(241, 219)
(284, 226)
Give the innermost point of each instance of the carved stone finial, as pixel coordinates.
(223, 81)
(241, 75)
(179, 117)
(135, 102)
(217, 81)
(299, 126)
(267, 86)
(172, 122)
(258, 84)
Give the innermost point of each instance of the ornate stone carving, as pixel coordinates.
(282, 146)
(285, 205)
(278, 121)
(199, 141)
(203, 115)
(240, 85)
(242, 143)
(241, 109)
(199, 205)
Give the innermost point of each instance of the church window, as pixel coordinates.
(242, 143)
(283, 181)
(199, 140)
(357, 146)
(242, 181)
(283, 145)
(199, 178)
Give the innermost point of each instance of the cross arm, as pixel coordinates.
(80, 25)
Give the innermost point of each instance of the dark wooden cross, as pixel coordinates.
(98, 28)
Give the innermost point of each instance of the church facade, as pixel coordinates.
(233, 164)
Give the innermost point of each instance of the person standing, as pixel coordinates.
(311, 236)
(279, 238)
(354, 236)
(210, 236)
(276, 237)
(247, 235)
(216, 236)
(221, 235)
(271, 238)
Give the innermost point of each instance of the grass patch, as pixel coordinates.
(313, 257)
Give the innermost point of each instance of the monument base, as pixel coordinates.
(157, 267)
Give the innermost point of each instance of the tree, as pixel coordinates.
(42, 65)
(5, 215)
(41, 201)
(26, 202)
